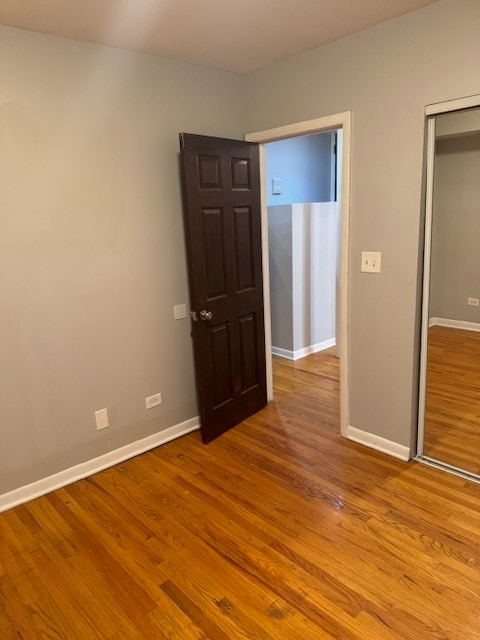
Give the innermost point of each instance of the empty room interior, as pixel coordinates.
(239, 310)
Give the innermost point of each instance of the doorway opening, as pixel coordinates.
(303, 236)
(341, 123)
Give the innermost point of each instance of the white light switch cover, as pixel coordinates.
(277, 186)
(371, 261)
(180, 311)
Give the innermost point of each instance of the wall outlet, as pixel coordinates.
(101, 419)
(371, 261)
(153, 401)
(473, 302)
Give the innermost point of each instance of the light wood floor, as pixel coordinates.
(278, 530)
(452, 408)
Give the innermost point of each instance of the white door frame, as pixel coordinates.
(327, 123)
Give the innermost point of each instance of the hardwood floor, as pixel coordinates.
(452, 407)
(280, 529)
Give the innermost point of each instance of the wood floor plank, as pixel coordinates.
(452, 407)
(16, 620)
(280, 529)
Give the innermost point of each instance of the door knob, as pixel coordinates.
(205, 315)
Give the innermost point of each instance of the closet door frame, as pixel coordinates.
(431, 111)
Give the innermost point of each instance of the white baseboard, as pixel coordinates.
(282, 353)
(380, 444)
(301, 353)
(85, 469)
(454, 324)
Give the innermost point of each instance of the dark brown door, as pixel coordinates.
(221, 188)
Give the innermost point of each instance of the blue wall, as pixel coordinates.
(303, 166)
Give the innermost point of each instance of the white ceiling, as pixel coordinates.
(235, 35)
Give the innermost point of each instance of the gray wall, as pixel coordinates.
(385, 75)
(92, 258)
(455, 272)
(91, 245)
(280, 244)
(304, 166)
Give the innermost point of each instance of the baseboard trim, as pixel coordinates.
(282, 353)
(379, 444)
(85, 469)
(454, 324)
(306, 351)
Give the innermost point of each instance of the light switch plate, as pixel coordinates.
(180, 311)
(277, 186)
(371, 261)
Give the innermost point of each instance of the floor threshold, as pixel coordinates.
(442, 466)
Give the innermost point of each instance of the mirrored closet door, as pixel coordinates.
(449, 429)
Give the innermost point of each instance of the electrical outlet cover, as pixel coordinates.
(153, 401)
(101, 419)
